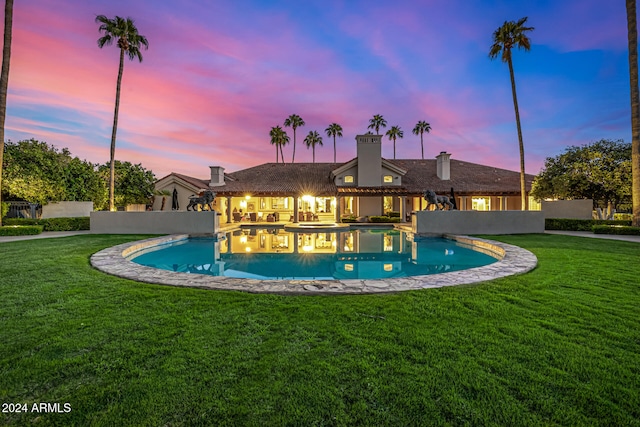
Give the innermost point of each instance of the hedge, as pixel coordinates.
(53, 224)
(4, 209)
(565, 224)
(383, 219)
(22, 230)
(616, 229)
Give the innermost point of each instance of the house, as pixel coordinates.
(364, 186)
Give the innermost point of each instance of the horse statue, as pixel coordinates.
(433, 199)
(206, 199)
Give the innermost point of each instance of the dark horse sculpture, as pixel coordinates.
(206, 199)
(433, 199)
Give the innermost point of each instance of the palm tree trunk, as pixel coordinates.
(632, 36)
(421, 146)
(394, 148)
(313, 150)
(276, 153)
(281, 153)
(293, 158)
(4, 80)
(334, 148)
(523, 188)
(112, 160)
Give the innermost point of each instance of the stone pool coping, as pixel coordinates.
(512, 260)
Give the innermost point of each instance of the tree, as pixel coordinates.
(40, 173)
(279, 138)
(376, 123)
(334, 130)
(4, 79)
(421, 127)
(133, 183)
(393, 133)
(600, 171)
(512, 34)
(126, 35)
(632, 36)
(313, 139)
(294, 121)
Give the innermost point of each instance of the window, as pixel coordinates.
(534, 205)
(388, 179)
(481, 203)
(348, 179)
(279, 202)
(388, 203)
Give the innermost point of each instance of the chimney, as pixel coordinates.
(369, 160)
(217, 176)
(444, 166)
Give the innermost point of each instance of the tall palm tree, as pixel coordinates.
(279, 138)
(126, 35)
(421, 127)
(513, 34)
(313, 139)
(632, 36)
(393, 133)
(377, 122)
(334, 130)
(294, 121)
(4, 80)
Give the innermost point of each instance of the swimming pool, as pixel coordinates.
(278, 254)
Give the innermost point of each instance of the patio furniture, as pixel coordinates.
(237, 217)
(253, 216)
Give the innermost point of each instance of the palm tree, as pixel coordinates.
(313, 139)
(4, 80)
(632, 36)
(393, 133)
(294, 121)
(334, 130)
(126, 35)
(510, 35)
(421, 127)
(377, 122)
(279, 138)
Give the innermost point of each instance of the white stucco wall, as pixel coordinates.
(572, 209)
(66, 209)
(478, 222)
(154, 222)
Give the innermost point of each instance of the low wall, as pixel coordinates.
(572, 209)
(66, 209)
(154, 222)
(478, 222)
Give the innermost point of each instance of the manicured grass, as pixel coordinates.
(557, 346)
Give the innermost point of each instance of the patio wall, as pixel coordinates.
(154, 222)
(66, 209)
(477, 222)
(573, 209)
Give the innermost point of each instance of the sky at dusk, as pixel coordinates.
(219, 74)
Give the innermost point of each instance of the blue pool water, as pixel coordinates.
(273, 253)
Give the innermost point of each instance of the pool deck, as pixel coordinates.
(512, 260)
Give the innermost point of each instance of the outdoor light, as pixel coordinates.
(247, 197)
(388, 267)
(247, 249)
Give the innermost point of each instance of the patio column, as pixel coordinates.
(463, 203)
(228, 209)
(403, 208)
(295, 210)
(336, 212)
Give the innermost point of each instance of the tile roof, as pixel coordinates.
(315, 178)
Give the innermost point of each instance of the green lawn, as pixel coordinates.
(557, 346)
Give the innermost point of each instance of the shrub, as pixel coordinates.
(623, 216)
(393, 214)
(565, 224)
(4, 209)
(383, 219)
(349, 219)
(616, 229)
(53, 224)
(23, 230)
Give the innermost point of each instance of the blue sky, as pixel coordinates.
(218, 75)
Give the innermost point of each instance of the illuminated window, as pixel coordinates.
(279, 203)
(534, 205)
(348, 179)
(388, 203)
(388, 179)
(481, 203)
